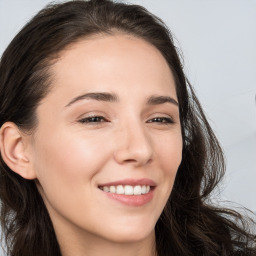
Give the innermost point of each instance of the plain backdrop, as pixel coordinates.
(217, 39)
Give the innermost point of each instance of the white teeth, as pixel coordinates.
(112, 189)
(137, 190)
(127, 189)
(120, 189)
(106, 189)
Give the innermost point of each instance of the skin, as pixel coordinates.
(69, 159)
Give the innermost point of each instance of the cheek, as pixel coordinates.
(169, 156)
(67, 163)
(169, 151)
(67, 167)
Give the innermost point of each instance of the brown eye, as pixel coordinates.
(161, 120)
(93, 119)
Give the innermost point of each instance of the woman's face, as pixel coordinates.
(108, 142)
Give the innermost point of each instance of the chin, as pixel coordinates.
(131, 233)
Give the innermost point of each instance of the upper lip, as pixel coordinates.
(132, 182)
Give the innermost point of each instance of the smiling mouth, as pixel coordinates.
(127, 189)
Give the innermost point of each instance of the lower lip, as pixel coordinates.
(131, 200)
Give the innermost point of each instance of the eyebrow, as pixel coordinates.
(156, 100)
(99, 96)
(112, 97)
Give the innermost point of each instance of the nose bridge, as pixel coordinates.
(133, 143)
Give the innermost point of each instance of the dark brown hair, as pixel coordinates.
(189, 224)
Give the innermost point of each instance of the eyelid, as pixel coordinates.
(90, 115)
(162, 114)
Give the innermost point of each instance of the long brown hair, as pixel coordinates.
(189, 224)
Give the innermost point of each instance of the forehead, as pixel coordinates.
(118, 62)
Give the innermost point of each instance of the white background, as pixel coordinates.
(218, 42)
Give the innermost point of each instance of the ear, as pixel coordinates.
(14, 150)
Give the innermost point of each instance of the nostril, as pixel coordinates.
(137, 161)
(130, 160)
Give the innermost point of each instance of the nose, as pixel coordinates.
(133, 146)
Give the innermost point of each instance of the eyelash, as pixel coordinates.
(162, 120)
(94, 120)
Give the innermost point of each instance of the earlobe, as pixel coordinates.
(13, 150)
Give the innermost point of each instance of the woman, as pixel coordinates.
(104, 146)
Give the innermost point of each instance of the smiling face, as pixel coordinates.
(108, 142)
